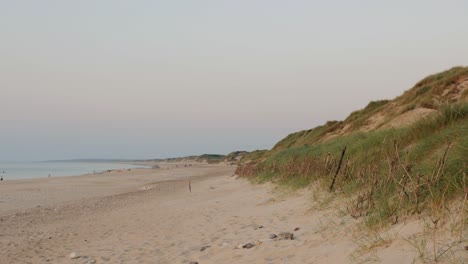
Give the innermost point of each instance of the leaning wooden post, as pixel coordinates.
(338, 170)
(189, 186)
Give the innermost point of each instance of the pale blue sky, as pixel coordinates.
(148, 79)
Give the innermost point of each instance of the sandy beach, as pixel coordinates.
(150, 216)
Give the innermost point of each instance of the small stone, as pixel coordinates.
(248, 246)
(273, 236)
(297, 229)
(285, 236)
(73, 255)
(466, 247)
(193, 262)
(204, 248)
(258, 227)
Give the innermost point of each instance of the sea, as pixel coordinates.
(32, 170)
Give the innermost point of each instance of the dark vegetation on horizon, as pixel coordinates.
(209, 158)
(387, 172)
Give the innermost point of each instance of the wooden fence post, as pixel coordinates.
(338, 170)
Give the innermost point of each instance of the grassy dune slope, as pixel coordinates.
(404, 156)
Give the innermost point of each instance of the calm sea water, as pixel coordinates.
(30, 170)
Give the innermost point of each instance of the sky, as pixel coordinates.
(155, 79)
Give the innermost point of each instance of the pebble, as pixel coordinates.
(204, 248)
(258, 227)
(297, 229)
(73, 255)
(193, 262)
(248, 246)
(273, 236)
(285, 236)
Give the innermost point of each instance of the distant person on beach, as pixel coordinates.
(1, 178)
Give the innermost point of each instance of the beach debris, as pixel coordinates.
(73, 255)
(285, 236)
(297, 229)
(204, 248)
(248, 246)
(258, 227)
(273, 236)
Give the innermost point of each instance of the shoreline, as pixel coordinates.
(100, 171)
(23, 194)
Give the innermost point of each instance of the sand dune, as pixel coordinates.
(149, 216)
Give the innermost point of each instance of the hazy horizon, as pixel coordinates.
(158, 79)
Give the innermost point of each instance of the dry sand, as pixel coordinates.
(149, 216)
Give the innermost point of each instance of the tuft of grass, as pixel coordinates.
(360, 118)
(307, 137)
(295, 183)
(367, 246)
(423, 90)
(253, 156)
(431, 250)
